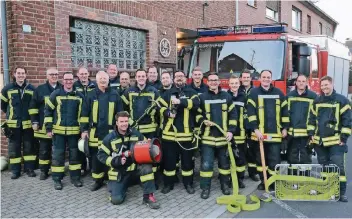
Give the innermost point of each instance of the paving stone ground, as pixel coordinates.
(32, 198)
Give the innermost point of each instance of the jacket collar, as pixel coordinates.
(23, 85)
(194, 86)
(330, 96)
(51, 88)
(266, 91)
(304, 93)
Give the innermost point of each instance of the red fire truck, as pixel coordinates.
(230, 50)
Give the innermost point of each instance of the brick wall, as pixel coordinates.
(49, 44)
(286, 7)
(256, 15)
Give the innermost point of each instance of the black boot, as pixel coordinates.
(225, 189)
(151, 202)
(205, 193)
(44, 175)
(77, 182)
(261, 186)
(190, 189)
(97, 185)
(15, 175)
(57, 184)
(241, 185)
(31, 173)
(272, 187)
(167, 189)
(343, 198)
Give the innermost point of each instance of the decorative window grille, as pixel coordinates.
(96, 45)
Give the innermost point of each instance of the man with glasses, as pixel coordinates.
(62, 115)
(36, 110)
(178, 106)
(15, 100)
(216, 107)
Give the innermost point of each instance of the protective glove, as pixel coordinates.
(116, 162)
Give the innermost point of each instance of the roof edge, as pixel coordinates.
(320, 11)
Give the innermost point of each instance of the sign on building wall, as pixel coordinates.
(165, 47)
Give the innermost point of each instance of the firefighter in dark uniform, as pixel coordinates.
(246, 87)
(114, 79)
(15, 100)
(36, 110)
(166, 81)
(124, 82)
(62, 115)
(239, 99)
(114, 152)
(179, 106)
(197, 81)
(330, 127)
(216, 106)
(268, 120)
(83, 85)
(167, 85)
(153, 78)
(299, 103)
(97, 121)
(140, 101)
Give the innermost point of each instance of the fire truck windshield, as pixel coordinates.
(233, 57)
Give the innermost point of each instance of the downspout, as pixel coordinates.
(237, 21)
(5, 54)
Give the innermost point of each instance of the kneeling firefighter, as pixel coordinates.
(114, 152)
(98, 110)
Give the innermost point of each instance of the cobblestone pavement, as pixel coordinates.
(31, 198)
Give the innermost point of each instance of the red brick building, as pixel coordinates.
(68, 34)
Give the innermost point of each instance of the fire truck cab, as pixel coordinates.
(231, 50)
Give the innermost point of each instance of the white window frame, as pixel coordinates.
(296, 19)
(270, 13)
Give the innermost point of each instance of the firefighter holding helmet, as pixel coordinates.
(98, 110)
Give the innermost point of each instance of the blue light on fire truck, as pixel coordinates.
(270, 29)
(212, 32)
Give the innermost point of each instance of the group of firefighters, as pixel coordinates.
(113, 115)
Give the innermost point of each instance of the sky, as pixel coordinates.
(341, 11)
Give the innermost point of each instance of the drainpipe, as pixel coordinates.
(237, 21)
(5, 54)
